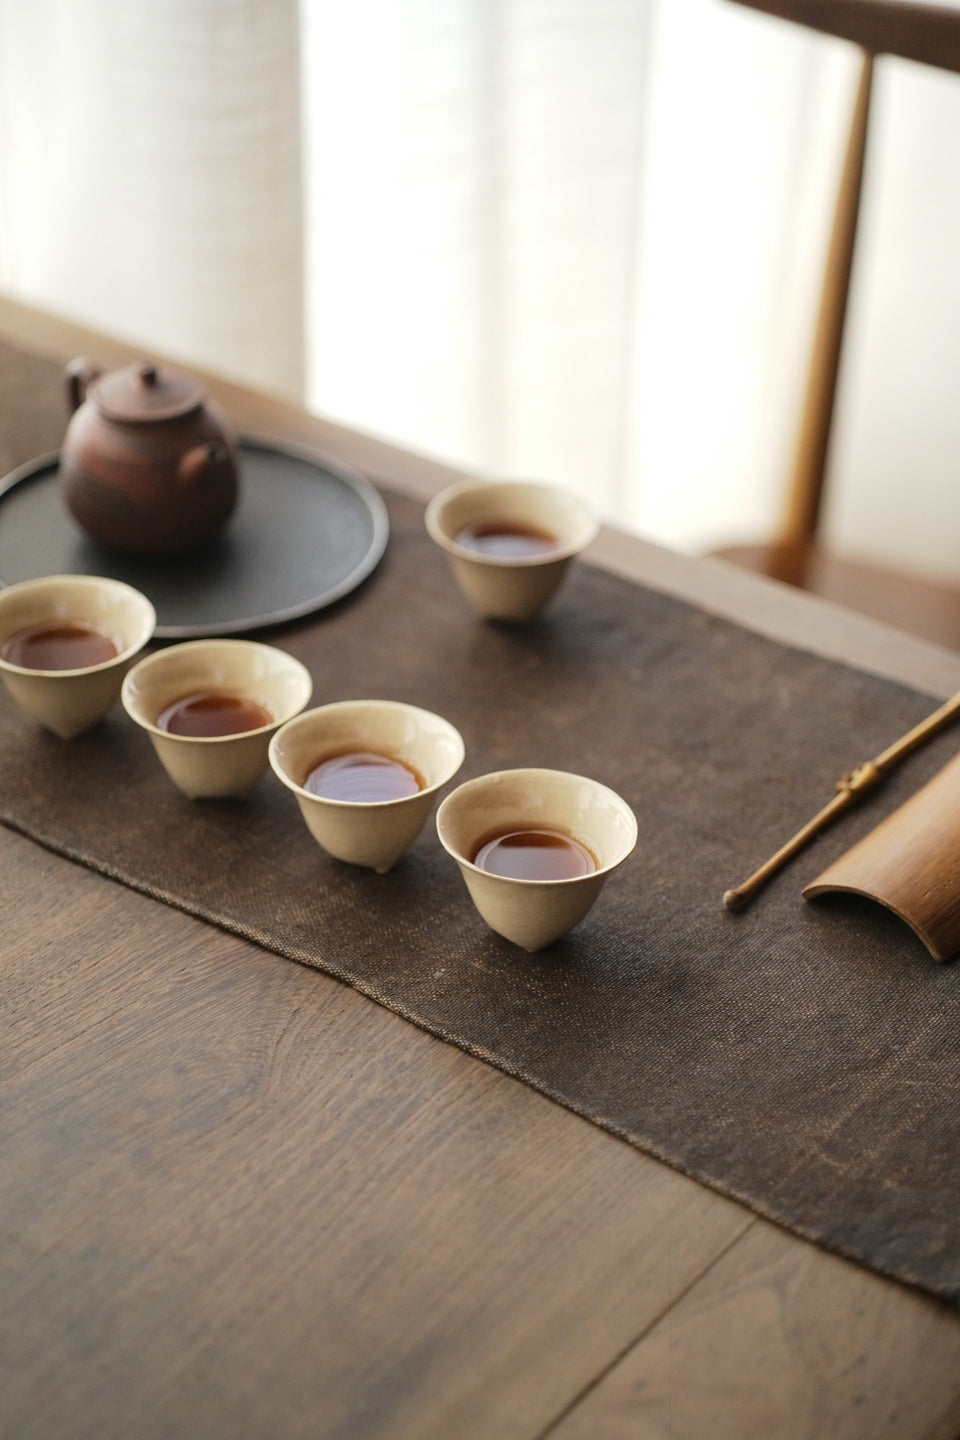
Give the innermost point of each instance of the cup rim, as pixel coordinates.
(479, 781)
(296, 666)
(436, 506)
(306, 716)
(89, 582)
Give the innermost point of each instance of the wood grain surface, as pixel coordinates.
(238, 1199)
(761, 1334)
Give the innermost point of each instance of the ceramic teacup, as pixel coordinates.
(535, 912)
(240, 671)
(371, 833)
(501, 580)
(69, 701)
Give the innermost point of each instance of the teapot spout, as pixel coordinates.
(200, 461)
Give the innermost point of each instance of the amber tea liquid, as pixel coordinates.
(363, 777)
(213, 713)
(535, 855)
(59, 647)
(507, 540)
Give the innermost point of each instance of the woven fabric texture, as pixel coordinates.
(800, 1057)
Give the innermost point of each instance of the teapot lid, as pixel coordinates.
(146, 392)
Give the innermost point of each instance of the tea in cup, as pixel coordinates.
(535, 848)
(65, 643)
(211, 708)
(366, 774)
(509, 543)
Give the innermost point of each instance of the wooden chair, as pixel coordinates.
(926, 33)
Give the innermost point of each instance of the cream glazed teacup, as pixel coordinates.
(213, 766)
(69, 701)
(374, 833)
(533, 912)
(516, 583)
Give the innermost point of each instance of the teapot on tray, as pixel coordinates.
(148, 465)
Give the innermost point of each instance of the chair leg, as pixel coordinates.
(805, 491)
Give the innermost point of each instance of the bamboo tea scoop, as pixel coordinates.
(849, 787)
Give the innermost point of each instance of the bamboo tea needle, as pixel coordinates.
(850, 787)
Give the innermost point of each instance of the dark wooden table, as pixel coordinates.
(238, 1199)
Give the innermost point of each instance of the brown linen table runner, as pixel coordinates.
(802, 1058)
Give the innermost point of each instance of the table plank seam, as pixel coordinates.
(647, 1330)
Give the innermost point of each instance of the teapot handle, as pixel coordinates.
(199, 460)
(78, 376)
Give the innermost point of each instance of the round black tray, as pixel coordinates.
(306, 532)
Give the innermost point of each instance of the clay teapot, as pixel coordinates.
(148, 465)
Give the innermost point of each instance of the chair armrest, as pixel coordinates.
(928, 33)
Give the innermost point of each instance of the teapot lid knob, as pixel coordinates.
(147, 392)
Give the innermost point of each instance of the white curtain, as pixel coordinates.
(150, 174)
(576, 240)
